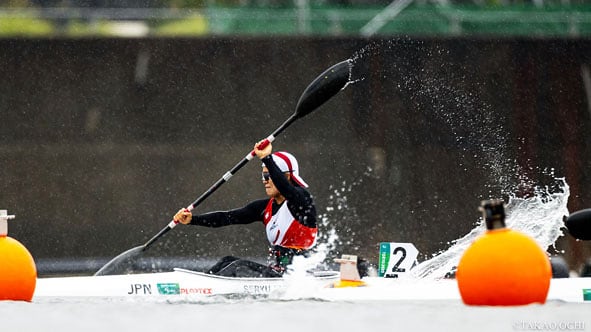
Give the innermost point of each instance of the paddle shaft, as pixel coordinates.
(326, 85)
(225, 178)
(320, 90)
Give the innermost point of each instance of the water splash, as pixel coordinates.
(331, 225)
(539, 216)
(477, 131)
(298, 284)
(329, 241)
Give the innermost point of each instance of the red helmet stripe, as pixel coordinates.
(286, 159)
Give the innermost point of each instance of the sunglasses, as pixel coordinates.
(265, 176)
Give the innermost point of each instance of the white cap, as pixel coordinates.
(288, 163)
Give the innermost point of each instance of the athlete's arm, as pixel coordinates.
(299, 200)
(248, 214)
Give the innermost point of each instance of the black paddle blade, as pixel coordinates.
(579, 224)
(122, 263)
(324, 87)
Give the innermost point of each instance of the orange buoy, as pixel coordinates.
(503, 266)
(18, 274)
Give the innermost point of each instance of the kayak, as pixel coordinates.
(320, 285)
(177, 282)
(393, 281)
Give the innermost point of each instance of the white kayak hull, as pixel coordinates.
(191, 284)
(178, 282)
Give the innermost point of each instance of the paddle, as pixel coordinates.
(320, 90)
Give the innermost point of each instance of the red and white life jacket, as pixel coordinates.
(284, 230)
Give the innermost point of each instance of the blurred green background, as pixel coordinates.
(79, 18)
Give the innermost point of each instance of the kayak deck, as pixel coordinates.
(177, 282)
(193, 284)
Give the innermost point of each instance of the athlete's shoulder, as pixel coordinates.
(258, 204)
(303, 191)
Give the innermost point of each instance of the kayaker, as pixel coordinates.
(289, 217)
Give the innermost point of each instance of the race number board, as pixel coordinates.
(396, 259)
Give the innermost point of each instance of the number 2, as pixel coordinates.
(402, 251)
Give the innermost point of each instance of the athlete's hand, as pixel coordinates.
(263, 152)
(183, 216)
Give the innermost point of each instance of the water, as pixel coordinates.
(298, 308)
(104, 314)
(539, 216)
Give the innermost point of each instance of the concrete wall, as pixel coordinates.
(103, 140)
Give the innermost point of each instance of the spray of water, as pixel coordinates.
(298, 285)
(329, 241)
(539, 216)
(479, 133)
